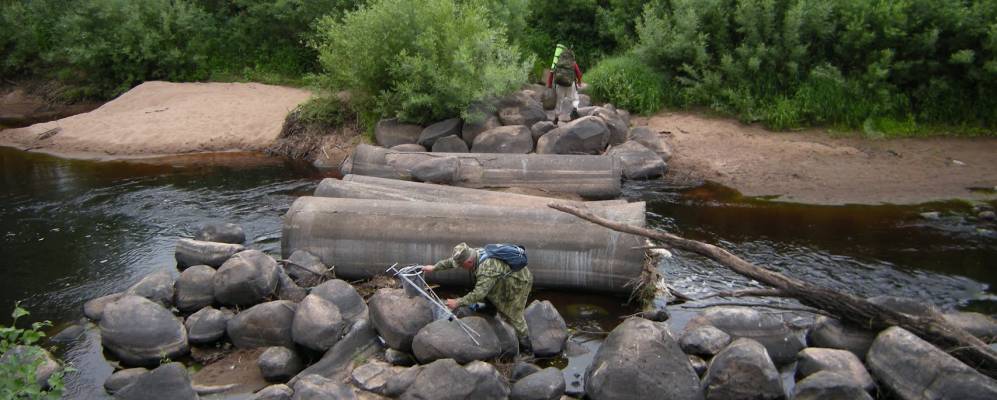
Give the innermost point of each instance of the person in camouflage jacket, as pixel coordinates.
(495, 282)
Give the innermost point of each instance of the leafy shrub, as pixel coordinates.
(570, 22)
(17, 377)
(421, 60)
(627, 83)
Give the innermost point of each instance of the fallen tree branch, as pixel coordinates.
(845, 307)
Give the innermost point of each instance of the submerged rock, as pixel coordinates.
(141, 332)
(168, 382)
(122, 378)
(246, 279)
(221, 232)
(398, 318)
(157, 286)
(548, 332)
(191, 252)
(547, 384)
(195, 288)
(278, 364)
(445, 339)
(743, 370)
(832, 333)
(207, 325)
(263, 325)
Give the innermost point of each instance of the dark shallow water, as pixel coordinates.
(74, 230)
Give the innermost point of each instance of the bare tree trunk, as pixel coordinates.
(846, 307)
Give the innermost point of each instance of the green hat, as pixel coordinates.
(461, 253)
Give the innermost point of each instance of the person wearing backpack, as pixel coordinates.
(565, 77)
(501, 279)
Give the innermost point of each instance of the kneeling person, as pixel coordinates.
(495, 282)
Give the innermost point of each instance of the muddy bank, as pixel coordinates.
(160, 118)
(816, 167)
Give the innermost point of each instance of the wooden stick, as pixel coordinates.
(846, 307)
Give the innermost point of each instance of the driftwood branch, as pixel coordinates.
(846, 307)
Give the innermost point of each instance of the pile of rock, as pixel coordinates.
(520, 124)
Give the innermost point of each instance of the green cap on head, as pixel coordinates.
(461, 253)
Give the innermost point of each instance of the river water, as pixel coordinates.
(74, 230)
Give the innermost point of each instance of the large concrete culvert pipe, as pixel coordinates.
(363, 237)
(589, 176)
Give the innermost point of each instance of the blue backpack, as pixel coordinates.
(512, 254)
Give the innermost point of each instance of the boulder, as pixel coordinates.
(979, 325)
(520, 109)
(814, 359)
(912, 368)
(157, 286)
(586, 111)
(515, 139)
(68, 334)
(221, 232)
(287, 289)
(625, 116)
(278, 364)
(641, 360)
(652, 140)
(584, 100)
(473, 129)
(832, 333)
(315, 387)
(522, 369)
(360, 342)
(318, 325)
(191, 252)
(442, 129)
(123, 378)
(781, 341)
(450, 144)
(586, 135)
(398, 318)
(263, 325)
(141, 332)
(441, 380)
(399, 358)
(436, 170)
(21, 355)
(547, 384)
(390, 132)
(305, 268)
(248, 278)
(489, 384)
(409, 147)
(373, 376)
(195, 288)
(618, 129)
(401, 381)
(207, 325)
(541, 128)
(167, 382)
(548, 332)
(445, 339)
(743, 370)
(344, 296)
(703, 340)
(827, 385)
(94, 309)
(274, 392)
(508, 342)
(638, 162)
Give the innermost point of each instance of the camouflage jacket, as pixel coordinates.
(494, 280)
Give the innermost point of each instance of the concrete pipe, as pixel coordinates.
(363, 237)
(369, 187)
(592, 177)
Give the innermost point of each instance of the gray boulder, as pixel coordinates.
(195, 288)
(548, 384)
(69, 334)
(398, 318)
(522, 369)
(168, 382)
(390, 132)
(20, 355)
(618, 129)
(248, 278)
(274, 392)
(508, 342)
(473, 129)
(287, 289)
(584, 100)
(515, 139)
(315, 387)
(548, 332)
(780, 340)
(813, 360)
(141, 332)
(436, 170)
(221, 232)
(278, 364)
(408, 147)
(652, 140)
(489, 383)
(263, 325)
(401, 381)
(541, 128)
(373, 376)
(979, 325)
(520, 109)
(123, 378)
(832, 333)
(445, 339)
(305, 268)
(318, 325)
(827, 385)
(743, 370)
(586, 135)
(344, 296)
(441, 380)
(207, 325)
(641, 360)
(704, 340)
(442, 129)
(450, 144)
(912, 368)
(638, 162)
(94, 309)
(157, 286)
(359, 343)
(586, 111)
(191, 252)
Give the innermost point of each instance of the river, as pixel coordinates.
(74, 230)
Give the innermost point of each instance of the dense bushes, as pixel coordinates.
(422, 60)
(627, 83)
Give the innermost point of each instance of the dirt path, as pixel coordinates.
(160, 118)
(815, 167)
